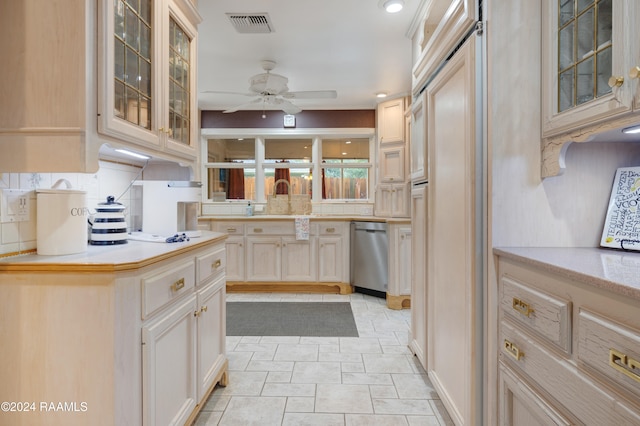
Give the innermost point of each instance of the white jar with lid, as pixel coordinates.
(61, 220)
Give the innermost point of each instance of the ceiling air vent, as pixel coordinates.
(251, 23)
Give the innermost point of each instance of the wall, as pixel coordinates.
(566, 210)
(111, 179)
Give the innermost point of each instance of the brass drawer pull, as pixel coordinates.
(216, 264)
(257, 230)
(513, 350)
(204, 308)
(522, 307)
(624, 364)
(177, 285)
(231, 229)
(330, 230)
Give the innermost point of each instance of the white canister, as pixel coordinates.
(61, 220)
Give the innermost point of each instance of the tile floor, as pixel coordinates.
(348, 381)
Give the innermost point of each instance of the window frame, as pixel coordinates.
(316, 165)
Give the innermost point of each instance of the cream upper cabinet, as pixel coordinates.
(47, 106)
(390, 115)
(418, 163)
(147, 75)
(393, 200)
(392, 161)
(590, 60)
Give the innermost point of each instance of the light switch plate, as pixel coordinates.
(14, 205)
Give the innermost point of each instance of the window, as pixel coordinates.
(235, 179)
(289, 160)
(345, 169)
(248, 168)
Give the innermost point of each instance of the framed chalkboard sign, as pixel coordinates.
(622, 224)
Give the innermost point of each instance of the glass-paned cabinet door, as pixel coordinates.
(128, 85)
(132, 61)
(179, 84)
(588, 46)
(584, 51)
(146, 68)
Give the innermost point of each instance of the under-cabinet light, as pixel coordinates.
(631, 130)
(133, 154)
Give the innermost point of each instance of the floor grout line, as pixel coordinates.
(383, 356)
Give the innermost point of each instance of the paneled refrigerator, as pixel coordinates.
(448, 217)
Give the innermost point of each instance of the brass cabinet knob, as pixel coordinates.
(615, 81)
(634, 72)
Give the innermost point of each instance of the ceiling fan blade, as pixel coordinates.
(239, 107)
(311, 94)
(288, 107)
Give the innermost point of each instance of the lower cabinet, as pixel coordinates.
(418, 334)
(235, 258)
(169, 366)
(568, 353)
(330, 258)
(133, 336)
(183, 341)
(211, 316)
(521, 405)
(268, 251)
(399, 291)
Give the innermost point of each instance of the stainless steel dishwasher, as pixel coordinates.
(369, 258)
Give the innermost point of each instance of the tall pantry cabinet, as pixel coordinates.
(448, 211)
(392, 194)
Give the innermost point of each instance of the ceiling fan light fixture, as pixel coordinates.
(393, 6)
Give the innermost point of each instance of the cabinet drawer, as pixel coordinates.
(271, 229)
(545, 315)
(211, 265)
(563, 381)
(230, 228)
(330, 229)
(158, 289)
(611, 349)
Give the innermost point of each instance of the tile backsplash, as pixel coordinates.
(111, 179)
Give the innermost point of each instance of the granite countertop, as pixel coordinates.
(612, 270)
(121, 257)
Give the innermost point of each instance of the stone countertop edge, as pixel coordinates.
(392, 220)
(607, 269)
(113, 258)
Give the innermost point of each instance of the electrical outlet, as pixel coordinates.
(14, 205)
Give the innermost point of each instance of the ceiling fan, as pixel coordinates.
(271, 89)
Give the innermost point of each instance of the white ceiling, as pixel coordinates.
(351, 46)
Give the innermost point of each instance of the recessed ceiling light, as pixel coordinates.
(381, 95)
(631, 130)
(393, 6)
(344, 153)
(348, 142)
